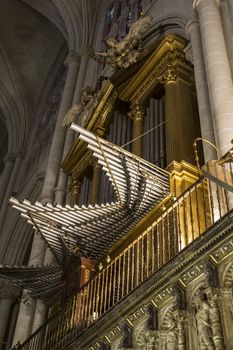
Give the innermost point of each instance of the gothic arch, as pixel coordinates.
(19, 234)
(11, 119)
(227, 276)
(14, 108)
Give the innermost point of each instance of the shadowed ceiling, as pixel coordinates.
(29, 46)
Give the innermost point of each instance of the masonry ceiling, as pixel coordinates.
(29, 46)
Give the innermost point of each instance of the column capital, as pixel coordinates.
(193, 22)
(72, 58)
(169, 76)
(59, 189)
(198, 2)
(45, 199)
(137, 112)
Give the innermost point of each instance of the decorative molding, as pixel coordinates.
(163, 296)
(169, 76)
(190, 275)
(114, 333)
(223, 251)
(75, 186)
(137, 112)
(136, 317)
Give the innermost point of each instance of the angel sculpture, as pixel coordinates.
(121, 54)
(90, 99)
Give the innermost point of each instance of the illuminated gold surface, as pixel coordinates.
(156, 69)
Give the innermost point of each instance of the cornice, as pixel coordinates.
(160, 67)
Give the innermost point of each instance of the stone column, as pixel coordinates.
(8, 293)
(56, 151)
(137, 114)
(10, 188)
(41, 308)
(60, 191)
(225, 8)
(206, 122)
(27, 310)
(9, 162)
(217, 70)
(5, 307)
(23, 326)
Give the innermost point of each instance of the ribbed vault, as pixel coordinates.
(30, 44)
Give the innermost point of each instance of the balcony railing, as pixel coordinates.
(185, 219)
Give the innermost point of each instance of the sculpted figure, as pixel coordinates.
(147, 340)
(203, 322)
(121, 54)
(172, 334)
(89, 101)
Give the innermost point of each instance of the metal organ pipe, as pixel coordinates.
(120, 132)
(84, 197)
(152, 136)
(157, 133)
(162, 135)
(154, 141)
(145, 142)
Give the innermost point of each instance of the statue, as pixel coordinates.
(215, 319)
(203, 321)
(171, 342)
(123, 53)
(89, 101)
(147, 340)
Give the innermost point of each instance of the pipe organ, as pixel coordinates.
(157, 101)
(85, 190)
(154, 141)
(119, 133)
